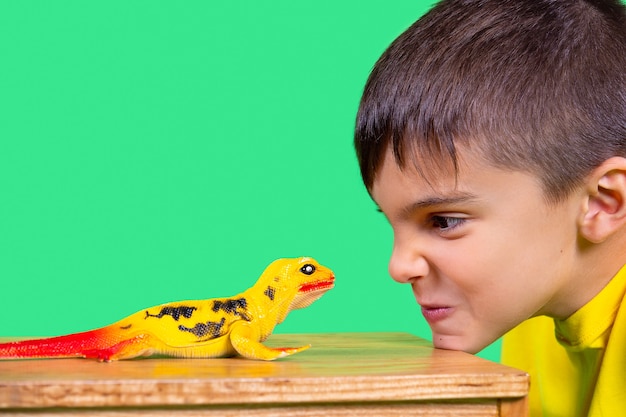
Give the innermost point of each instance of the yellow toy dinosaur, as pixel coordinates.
(218, 327)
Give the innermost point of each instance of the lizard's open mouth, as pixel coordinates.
(326, 284)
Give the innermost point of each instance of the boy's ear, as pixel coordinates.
(605, 210)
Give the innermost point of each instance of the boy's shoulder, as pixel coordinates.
(560, 355)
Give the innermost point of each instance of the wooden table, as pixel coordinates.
(343, 374)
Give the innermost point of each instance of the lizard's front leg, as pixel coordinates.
(245, 338)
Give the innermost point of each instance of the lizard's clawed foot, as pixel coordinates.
(244, 339)
(286, 351)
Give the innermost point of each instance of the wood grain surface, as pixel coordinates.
(343, 374)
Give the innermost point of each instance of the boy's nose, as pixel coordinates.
(407, 265)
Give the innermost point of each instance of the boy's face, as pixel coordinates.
(482, 250)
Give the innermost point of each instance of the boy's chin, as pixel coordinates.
(461, 343)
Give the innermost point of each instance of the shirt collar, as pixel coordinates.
(590, 326)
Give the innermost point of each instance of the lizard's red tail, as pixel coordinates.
(90, 344)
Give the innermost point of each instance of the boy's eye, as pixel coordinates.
(445, 223)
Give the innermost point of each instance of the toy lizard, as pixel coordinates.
(218, 327)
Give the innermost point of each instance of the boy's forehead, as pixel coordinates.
(414, 176)
(436, 171)
(473, 180)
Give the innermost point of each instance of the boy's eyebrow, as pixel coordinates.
(428, 202)
(435, 201)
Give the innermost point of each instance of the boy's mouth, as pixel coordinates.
(434, 314)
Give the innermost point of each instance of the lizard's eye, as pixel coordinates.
(307, 269)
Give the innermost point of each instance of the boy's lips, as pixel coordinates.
(433, 314)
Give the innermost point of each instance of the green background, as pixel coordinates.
(160, 151)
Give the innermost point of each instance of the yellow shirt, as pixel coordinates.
(577, 366)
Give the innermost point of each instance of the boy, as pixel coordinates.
(492, 135)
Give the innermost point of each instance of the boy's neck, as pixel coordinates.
(597, 265)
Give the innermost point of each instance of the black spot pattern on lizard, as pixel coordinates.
(211, 329)
(270, 292)
(236, 307)
(175, 312)
(126, 327)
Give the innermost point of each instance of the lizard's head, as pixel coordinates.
(298, 281)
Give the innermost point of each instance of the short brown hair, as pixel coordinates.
(535, 85)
